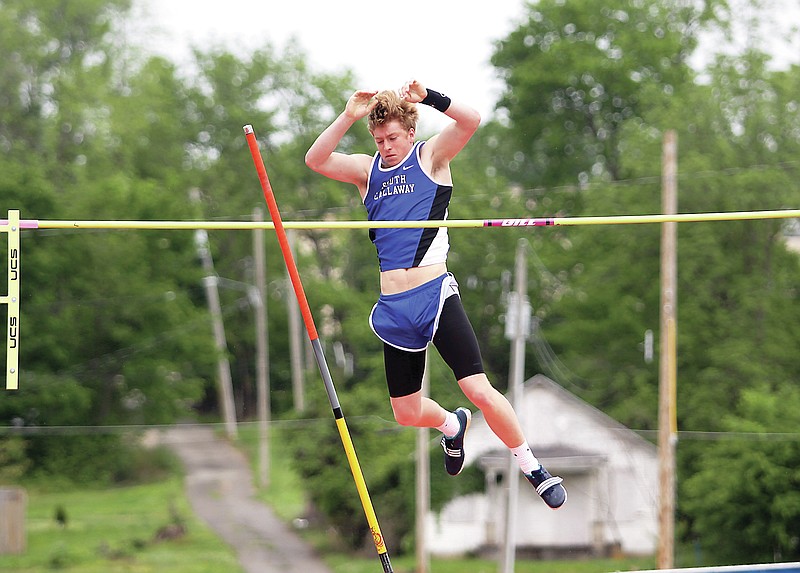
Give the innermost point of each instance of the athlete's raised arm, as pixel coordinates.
(322, 156)
(446, 145)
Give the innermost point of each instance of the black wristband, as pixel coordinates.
(436, 100)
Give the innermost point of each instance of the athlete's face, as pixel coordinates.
(393, 142)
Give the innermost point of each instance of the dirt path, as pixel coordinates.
(220, 489)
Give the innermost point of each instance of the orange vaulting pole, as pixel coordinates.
(305, 310)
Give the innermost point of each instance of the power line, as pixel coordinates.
(685, 435)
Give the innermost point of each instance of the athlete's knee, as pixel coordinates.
(406, 414)
(480, 392)
(406, 418)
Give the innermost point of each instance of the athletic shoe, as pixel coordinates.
(454, 447)
(548, 487)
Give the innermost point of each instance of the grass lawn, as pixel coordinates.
(113, 530)
(343, 564)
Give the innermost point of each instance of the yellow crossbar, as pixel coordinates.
(456, 223)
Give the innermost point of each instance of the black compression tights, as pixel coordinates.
(456, 342)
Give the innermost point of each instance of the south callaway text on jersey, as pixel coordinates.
(406, 193)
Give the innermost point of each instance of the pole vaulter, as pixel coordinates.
(311, 329)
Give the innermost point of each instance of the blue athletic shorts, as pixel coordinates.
(408, 320)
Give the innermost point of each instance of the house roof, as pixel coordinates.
(542, 381)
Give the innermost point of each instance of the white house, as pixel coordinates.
(610, 472)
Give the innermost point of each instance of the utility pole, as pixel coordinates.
(518, 324)
(262, 350)
(423, 496)
(224, 385)
(667, 421)
(295, 342)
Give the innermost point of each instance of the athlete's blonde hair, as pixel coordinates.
(392, 107)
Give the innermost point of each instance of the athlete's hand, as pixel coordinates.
(413, 91)
(360, 104)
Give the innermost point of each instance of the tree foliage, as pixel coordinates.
(586, 121)
(577, 72)
(755, 481)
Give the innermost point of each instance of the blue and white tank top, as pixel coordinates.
(406, 192)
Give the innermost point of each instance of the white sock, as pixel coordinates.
(525, 458)
(451, 425)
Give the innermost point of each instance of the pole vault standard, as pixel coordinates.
(12, 227)
(305, 310)
(451, 223)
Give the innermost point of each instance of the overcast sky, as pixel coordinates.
(440, 42)
(446, 44)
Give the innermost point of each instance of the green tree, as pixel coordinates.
(753, 482)
(288, 105)
(576, 72)
(595, 290)
(109, 314)
(736, 290)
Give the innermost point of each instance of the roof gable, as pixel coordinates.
(562, 398)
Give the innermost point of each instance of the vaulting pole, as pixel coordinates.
(305, 311)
